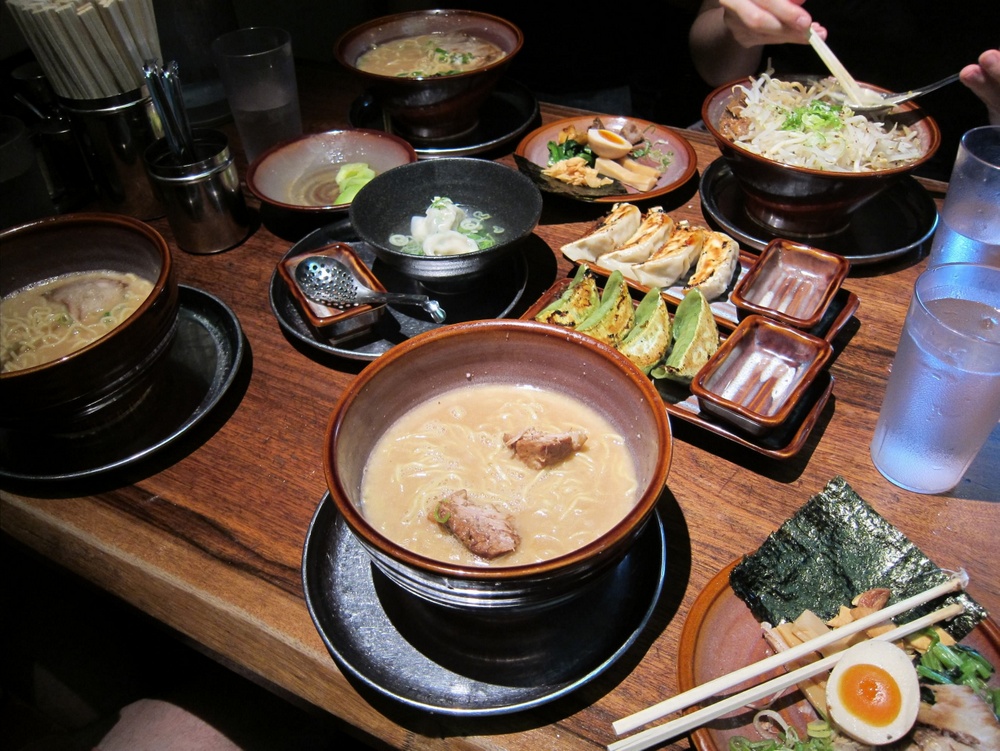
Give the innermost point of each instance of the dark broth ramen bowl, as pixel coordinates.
(804, 203)
(105, 379)
(386, 204)
(510, 352)
(434, 108)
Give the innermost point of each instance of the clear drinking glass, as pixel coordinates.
(943, 396)
(969, 230)
(258, 72)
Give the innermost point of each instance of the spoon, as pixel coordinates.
(329, 282)
(888, 101)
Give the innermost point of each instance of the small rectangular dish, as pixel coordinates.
(334, 324)
(792, 283)
(760, 372)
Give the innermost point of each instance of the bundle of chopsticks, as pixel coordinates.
(685, 724)
(89, 49)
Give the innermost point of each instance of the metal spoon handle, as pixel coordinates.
(914, 93)
(432, 307)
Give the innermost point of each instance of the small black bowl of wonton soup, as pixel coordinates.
(89, 309)
(498, 466)
(446, 222)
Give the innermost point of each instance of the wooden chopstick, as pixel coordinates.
(713, 687)
(847, 82)
(656, 735)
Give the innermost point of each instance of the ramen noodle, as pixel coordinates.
(456, 442)
(429, 55)
(47, 321)
(805, 125)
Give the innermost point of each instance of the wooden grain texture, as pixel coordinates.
(210, 543)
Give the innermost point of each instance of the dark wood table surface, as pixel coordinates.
(208, 537)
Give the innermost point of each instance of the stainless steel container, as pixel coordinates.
(114, 132)
(205, 205)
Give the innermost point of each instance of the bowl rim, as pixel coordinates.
(382, 246)
(626, 527)
(258, 163)
(84, 219)
(726, 145)
(341, 42)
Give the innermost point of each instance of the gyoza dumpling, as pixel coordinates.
(718, 260)
(672, 261)
(611, 231)
(656, 227)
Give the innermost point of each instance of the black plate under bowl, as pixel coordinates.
(201, 366)
(897, 221)
(450, 662)
(494, 296)
(507, 114)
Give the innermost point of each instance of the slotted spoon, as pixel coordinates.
(329, 282)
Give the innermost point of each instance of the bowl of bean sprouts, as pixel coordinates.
(803, 159)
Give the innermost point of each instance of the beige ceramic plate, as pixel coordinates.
(721, 635)
(534, 147)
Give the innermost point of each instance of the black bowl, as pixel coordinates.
(386, 204)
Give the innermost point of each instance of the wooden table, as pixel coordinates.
(211, 544)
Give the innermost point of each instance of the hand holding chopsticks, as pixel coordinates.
(695, 719)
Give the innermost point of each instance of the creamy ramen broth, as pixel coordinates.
(455, 442)
(429, 55)
(46, 321)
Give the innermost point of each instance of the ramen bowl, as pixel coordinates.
(804, 203)
(438, 107)
(106, 378)
(384, 208)
(501, 352)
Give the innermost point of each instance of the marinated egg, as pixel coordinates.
(608, 144)
(872, 693)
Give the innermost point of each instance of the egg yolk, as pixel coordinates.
(871, 694)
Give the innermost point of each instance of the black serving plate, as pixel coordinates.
(897, 221)
(507, 114)
(448, 661)
(494, 296)
(201, 366)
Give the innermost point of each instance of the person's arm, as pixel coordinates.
(984, 80)
(728, 36)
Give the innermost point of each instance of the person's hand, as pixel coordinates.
(984, 80)
(754, 23)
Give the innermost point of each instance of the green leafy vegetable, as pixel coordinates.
(958, 664)
(569, 149)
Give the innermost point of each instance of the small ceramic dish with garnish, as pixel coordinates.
(759, 373)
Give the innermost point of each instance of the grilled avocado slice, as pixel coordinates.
(577, 302)
(614, 316)
(696, 338)
(648, 341)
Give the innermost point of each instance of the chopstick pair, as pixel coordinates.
(846, 80)
(695, 719)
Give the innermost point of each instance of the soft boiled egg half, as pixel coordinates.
(873, 694)
(608, 144)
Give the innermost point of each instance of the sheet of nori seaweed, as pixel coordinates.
(552, 185)
(832, 549)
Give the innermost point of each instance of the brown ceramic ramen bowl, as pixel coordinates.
(806, 203)
(105, 379)
(512, 352)
(434, 108)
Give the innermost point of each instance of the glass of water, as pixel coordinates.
(969, 229)
(258, 73)
(943, 396)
